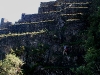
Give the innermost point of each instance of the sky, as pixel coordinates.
(12, 9)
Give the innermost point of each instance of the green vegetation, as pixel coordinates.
(21, 34)
(11, 65)
(92, 46)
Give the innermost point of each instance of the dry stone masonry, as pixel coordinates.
(50, 16)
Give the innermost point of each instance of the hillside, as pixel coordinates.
(51, 42)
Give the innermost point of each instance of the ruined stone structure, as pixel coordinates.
(50, 12)
(4, 23)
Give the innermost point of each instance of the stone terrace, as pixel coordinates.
(49, 15)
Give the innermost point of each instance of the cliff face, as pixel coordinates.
(40, 38)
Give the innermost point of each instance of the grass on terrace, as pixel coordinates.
(20, 34)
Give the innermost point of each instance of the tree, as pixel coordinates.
(11, 65)
(92, 56)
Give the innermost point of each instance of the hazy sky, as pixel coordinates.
(12, 9)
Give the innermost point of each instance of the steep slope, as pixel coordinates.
(40, 39)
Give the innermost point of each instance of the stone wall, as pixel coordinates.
(50, 12)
